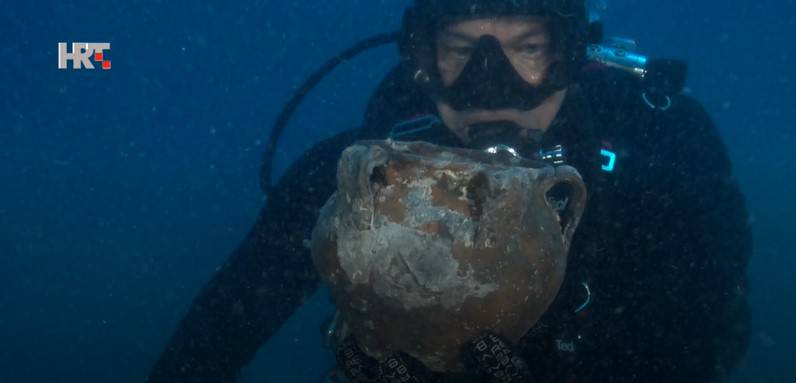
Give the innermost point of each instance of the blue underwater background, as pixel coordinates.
(121, 191)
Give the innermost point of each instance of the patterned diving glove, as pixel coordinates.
(491, 360)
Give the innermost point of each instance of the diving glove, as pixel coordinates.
(489, 357)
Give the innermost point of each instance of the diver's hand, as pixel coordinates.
(360, 368)
(491, 359)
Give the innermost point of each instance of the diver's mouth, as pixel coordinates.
(495, 123)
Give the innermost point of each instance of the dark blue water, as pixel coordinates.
(123, 190)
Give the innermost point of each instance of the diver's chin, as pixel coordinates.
(482, 127)
(492, 127)
(503, 124)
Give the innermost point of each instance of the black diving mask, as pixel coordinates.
(490, 81)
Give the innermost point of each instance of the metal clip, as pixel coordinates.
(498, 149)
(555, 156)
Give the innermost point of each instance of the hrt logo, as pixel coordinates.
(82, 55)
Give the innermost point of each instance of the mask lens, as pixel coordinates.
(489, 80)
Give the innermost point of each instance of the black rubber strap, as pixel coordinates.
(396, 368)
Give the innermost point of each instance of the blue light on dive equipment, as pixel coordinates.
(619, 53)
(611, 157)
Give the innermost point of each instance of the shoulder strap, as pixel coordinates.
(397, 98)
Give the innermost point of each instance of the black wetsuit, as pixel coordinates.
(662, 248)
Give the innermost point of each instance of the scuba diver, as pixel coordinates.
(655, 288)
